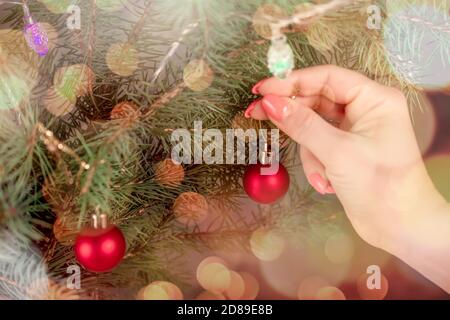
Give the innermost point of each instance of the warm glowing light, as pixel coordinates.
(162, 290)
(236, 289)
(110, 5)
(57, 6)
(122, 59)
(310, 287)
(190, 207)
(73, 81)
(369, 292)
(209, 260)
(140, 294)
(156, 292)
(57, 104)
(339, 248)
(206, 295)
(330, 293)
(13, 91)
(214, 275)
(251, 286)
(198, 75)
(266, 244)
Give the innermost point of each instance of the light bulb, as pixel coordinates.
(35, 36)
(280, 57)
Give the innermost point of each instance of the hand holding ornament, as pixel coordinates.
(357, 141)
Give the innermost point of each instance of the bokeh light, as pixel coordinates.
(17, 77)
(140, 294)
(367, 293)
(57, 6)
(18, 54)
(423, 61)
(236, 289)
(339, 248)
(330, 293)
(190, 207)
(57, 104)
(310, 286)
(14, 89)
(198, 75)
(206, 295)
(73, 81)
(266, 244)
(209, 260)
(122, 59)
(251, 286)
(110, 5)
(214, 276)
(162, 290)
(284, 274)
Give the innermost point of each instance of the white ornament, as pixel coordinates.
(280, 57)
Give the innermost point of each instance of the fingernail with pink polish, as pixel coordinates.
(250, 108)
(255, 89)
(318, 183)
(330, 189)
(276, 107)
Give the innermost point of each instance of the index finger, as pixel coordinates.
(337, 84)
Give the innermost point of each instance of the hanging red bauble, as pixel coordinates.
(100, 248)
(265, 189)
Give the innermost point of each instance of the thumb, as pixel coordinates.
(304, 126)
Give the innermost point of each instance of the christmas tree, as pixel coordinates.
(91, 93)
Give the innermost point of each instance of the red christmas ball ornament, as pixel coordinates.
(100, 248)
(265, 189)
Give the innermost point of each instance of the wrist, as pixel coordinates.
(421, 228)
(423, 242)
(415, 207)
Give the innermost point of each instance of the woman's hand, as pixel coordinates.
(357, 140)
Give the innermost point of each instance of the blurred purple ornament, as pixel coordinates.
(35, 36)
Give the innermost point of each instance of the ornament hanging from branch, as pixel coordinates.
(101, 247)
(266, 188)
(280, 56)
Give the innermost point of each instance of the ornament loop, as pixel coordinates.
(103, 221)
(265, 156)
(99, 220)
(94, 221)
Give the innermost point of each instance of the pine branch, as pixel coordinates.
(164, 99)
